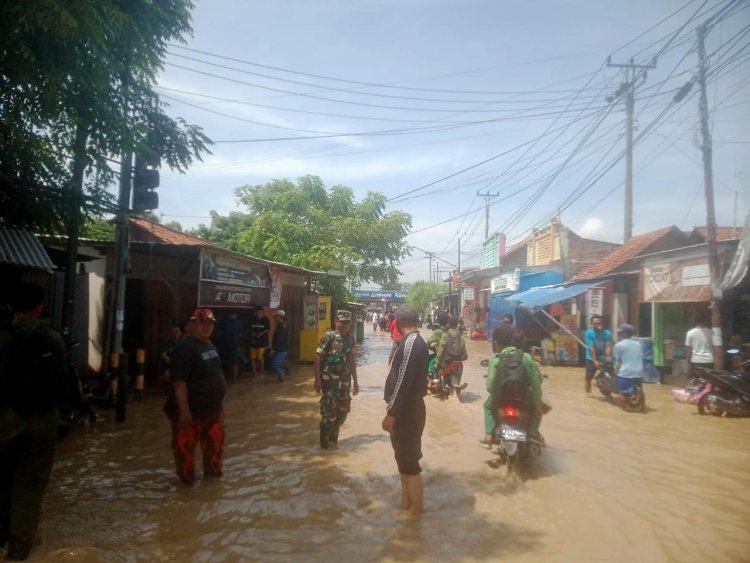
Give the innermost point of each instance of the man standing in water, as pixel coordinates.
(259, 329)
(335, 375)
(698, 345)
(404, 394)
(195, 402)
(32, 371)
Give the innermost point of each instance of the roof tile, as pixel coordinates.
(620, 256)
(147, 231)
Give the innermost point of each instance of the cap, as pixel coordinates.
(626, 328)
(202, 315)
(344, 316)
(280, 313)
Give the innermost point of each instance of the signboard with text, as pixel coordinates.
(677, 282)
(229, 282)
(379, 295)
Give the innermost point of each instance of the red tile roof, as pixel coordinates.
(147, 231)
(620, 256)
(722, 233)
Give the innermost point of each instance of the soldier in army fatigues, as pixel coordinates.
(335, 375)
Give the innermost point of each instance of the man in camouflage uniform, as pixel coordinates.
(335, 375)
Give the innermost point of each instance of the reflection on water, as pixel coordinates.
(665, 486)
(374, 349)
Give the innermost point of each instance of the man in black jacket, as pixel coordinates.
(404, 394)
(30, 392)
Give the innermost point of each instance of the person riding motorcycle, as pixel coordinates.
(504, 340)
(445, 359)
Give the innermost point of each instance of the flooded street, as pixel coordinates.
(668, 485)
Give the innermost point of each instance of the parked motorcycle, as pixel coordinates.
(730, 392)
(515, 442)
(606, 381)
(693, 391)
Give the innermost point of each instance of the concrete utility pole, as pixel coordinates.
(628, 88)
(430, 256)
(487, 197)
(713, 259)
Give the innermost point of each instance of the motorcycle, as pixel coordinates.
(515, 442)
(441, 384)
(730, 392)
(693, 391)
(606, 381)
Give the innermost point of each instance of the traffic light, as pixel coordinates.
(145, 181)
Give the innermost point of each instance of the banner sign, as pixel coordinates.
(677, 282)
(214, 294)
(375, 295)
(229, 282)
(595, 301)
(509, 281)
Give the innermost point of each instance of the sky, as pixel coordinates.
(432, 102)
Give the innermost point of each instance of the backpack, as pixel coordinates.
(454, 351)
(31, 372)
(511, 384)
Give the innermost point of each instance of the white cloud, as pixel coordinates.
(592, 227)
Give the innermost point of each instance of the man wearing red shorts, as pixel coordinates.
(194, 405)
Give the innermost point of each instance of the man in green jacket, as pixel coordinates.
(502, 344)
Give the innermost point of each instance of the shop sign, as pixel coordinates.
(213, 294)
(595, 301)
(468, 294)
(229, 282)
(509, 281)
(677, 282)
(221, 268)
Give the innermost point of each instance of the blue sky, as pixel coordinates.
(433, 101)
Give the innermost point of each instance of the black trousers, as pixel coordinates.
(27, 449)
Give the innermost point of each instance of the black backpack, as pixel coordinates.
(31, 372)
(511, 384)
(453, 349)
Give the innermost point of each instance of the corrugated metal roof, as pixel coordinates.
(22, 248)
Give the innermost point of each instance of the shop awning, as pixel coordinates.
(22, 248)
(738, 267)
(538, 297)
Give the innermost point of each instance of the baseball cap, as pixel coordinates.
(626, 328)
(344, 316)
(280, 313)
(203, 315)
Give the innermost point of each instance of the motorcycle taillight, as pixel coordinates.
(510, 412)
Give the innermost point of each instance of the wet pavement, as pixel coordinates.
(667, 485)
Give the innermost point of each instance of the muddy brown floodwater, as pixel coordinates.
(668, 485)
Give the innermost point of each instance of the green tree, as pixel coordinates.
(391, 286)
(421, 293)
(307, 225)
(225, 231)
(75, 93)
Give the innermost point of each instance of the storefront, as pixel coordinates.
(677, 286)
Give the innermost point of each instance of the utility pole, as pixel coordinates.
(713, 260)
(118, 360)
(487, 197)
(628, 88)
(430, 256)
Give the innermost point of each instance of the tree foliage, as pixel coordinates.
(308, 225)
(421, 293)
(75, 92)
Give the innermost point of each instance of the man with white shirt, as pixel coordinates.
(698, 345)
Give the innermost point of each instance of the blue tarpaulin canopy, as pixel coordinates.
(538, 297)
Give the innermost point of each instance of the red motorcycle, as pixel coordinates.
(447, 381)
